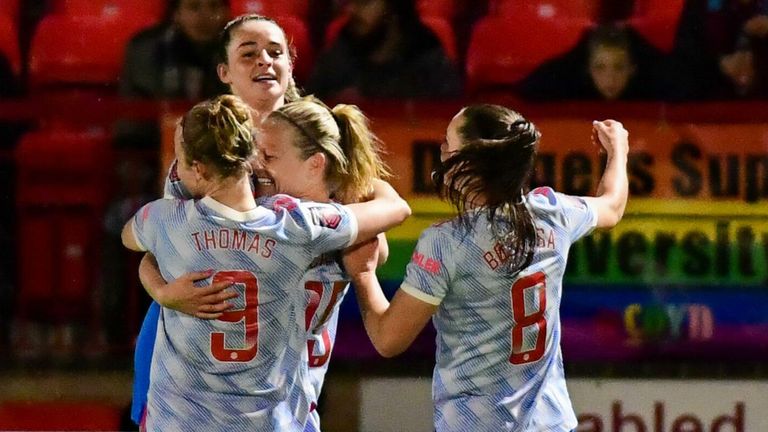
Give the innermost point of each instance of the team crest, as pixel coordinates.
(325, 217)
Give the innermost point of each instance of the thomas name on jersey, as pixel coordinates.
(227, 238)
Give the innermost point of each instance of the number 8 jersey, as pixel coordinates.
(498, 361)
(243, 371)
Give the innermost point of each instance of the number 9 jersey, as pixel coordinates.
(498, 361)
(243, 371)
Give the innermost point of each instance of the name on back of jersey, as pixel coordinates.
(545, 239)
(234, 239)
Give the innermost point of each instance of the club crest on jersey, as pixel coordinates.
(325, 217)
(547, 192)
(284, 202)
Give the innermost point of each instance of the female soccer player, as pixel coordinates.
(491, 278)
(242, 371)
(257, 64)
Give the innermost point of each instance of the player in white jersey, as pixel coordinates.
(257, 64)
(290, 135)
(243, 371)
(491, 278)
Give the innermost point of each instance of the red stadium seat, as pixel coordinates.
(298, 35)
(657, 21)
(85, 50)
(9, 42)
(444, 32)
(148, 8)
(10, 8)
(271, 8)
(62, 188)
(504, 49)
(551, 9)
(445, 9)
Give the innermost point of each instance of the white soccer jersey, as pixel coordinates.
(243, 371)
(325, 284)
(173, 187)
(498, 361)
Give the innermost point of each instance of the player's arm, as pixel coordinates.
(613, 190)
(383, 249)
(384, 211)
(129, 237)
(182, 295)
(392, 327)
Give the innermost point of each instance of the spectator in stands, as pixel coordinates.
(384, 51)
(612, 62)
(723, 49)
(174, 60)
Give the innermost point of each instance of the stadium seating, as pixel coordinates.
(503, 49)
(149, 8)
(81, 50)
(548, 9)
(9, 42)
(445, 9)
(62, 187)
(272, 8)
(657, 21)
(298, 35)
(441, 27)
(10, 8)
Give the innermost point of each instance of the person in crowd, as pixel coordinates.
(611, 62)
(722, 49)
(491, 278)
(174, 60)
(244, 370)
(384, 51)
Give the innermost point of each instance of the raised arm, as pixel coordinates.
(613, 190)
(386, 210)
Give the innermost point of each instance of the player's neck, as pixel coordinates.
(235, 194)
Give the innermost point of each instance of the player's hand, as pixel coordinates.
(362, 258)
(611, 135)
(201, 302)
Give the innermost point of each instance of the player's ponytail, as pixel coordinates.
(343, 135)
(491, 170)
(362, 151)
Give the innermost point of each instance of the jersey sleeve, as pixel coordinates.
(324, 227)
(580, 217)
(149, 220)
(427, 274)
(174, 188)
(572, 213)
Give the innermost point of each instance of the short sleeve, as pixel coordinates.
(324, 227)
(174, 188)
(580, 217)
(427, 274)
(148, 220)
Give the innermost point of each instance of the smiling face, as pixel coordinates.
(258, 67)
(281, 161)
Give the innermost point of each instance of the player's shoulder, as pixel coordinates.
(163, 208)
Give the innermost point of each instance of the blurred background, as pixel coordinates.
(665, 318)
